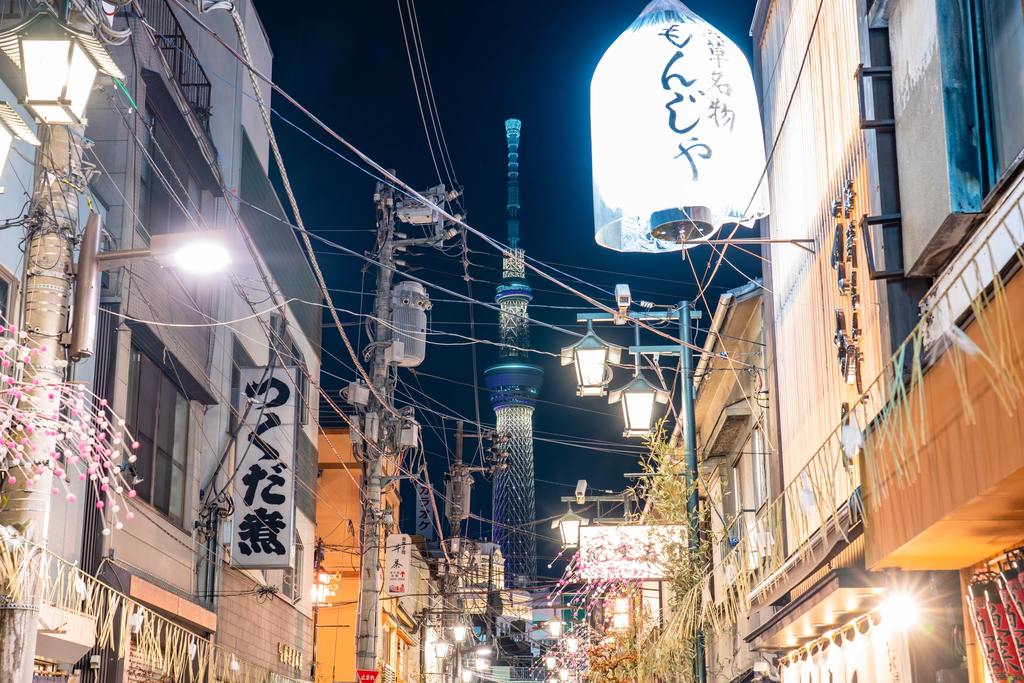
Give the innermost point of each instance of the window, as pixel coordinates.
(158, 419)
(5, 299)
(158, 207)
(759, 461)
(291, 585)
(301, 385)
(1002, 23)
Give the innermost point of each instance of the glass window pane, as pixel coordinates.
(180, 446)
(144, 468)
(176, 509)
(133, 390)
(1004, 40)
(166, 418)
(162, 481)
(5, 295)
(149, 380)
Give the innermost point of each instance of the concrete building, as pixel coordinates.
(894, 391)
(182, 147)
(408, 626)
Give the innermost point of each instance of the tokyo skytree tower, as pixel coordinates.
(514, 383)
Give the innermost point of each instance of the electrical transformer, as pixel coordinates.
(409, 306)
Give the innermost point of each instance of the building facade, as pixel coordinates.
(180, 146)
(887, 547)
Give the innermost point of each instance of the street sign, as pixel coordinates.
(367, 675)
(398, 562)
(264, 483)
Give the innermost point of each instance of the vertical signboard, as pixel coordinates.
(424, 523)
(397, 562)
(264, 482)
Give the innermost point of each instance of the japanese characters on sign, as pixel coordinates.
(676, 130)
(424, 523)
(264, 481)
(397, 563)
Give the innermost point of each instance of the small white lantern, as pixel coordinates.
(441, 649)
(467, 676)
(638, 399)
(676, 134)
(572, 645)
(591, 357)
(568, 526)
(563, 675)
(551, 662)
(59, 65)
(459, 632)
(554, 628)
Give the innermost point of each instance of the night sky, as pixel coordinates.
(488, 61)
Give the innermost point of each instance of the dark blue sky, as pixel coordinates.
(488, 61)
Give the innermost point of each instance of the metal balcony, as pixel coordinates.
(186, 70)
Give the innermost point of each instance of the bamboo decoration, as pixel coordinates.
(126, 627)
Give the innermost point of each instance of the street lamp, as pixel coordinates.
(568, 526)
(13, 126)
(554, 628)
(467, 676)
(638, 399)
(563, 675)
(591, 357)
(59, 65)
(441, 649)
(192, 252)
(572, 645)
(459, 632)
(551, 662)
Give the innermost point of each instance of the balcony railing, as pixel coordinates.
(180, 57)
(29, 572)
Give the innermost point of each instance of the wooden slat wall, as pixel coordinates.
(820, 146)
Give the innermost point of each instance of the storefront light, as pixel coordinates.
(899, 611)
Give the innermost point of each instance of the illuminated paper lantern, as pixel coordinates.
(676, 134)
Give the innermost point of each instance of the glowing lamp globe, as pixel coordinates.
(638, 399)
(441, 649)
(551, 662)
(591, 356)
(568, 526)
(59, 65)
(459, 633)
(676, 135)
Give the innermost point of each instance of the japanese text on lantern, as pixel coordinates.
(264, 480)
(693, 102)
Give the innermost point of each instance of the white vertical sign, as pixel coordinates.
(397, 563)
(264, 482)
(424, 522)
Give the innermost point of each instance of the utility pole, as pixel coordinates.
(47, 281)
(381, 425)
(376, 442)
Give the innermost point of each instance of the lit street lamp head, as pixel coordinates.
(568, 526)
(591, 357)
(197, 253)
(638, 399)
(59, 65)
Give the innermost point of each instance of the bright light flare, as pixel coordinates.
(202, 257)
(900, 611)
